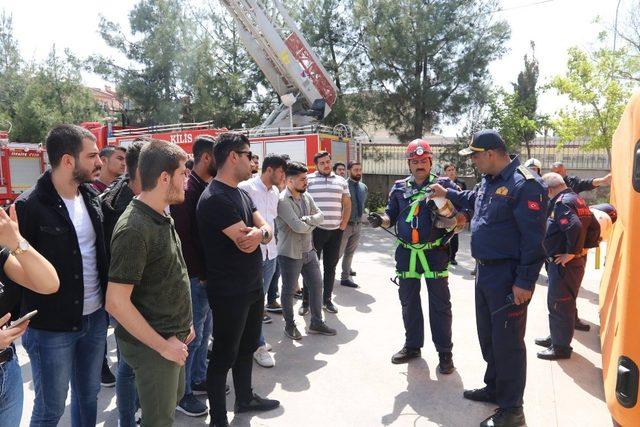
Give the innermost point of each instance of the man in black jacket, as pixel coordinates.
(62, 219)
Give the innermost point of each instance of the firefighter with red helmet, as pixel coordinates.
(423, 227)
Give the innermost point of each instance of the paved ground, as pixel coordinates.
(348, 380)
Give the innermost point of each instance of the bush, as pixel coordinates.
(376, 202)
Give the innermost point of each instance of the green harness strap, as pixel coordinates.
(417, 253)
(415, 199)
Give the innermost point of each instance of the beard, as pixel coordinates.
(175, 194)
(356, 177)
(82, 176)
(301, 190)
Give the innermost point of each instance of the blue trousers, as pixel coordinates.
(564, 284)
(11, 394)
(197, 359)
(502, 335)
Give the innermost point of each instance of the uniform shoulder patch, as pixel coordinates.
(528, 175)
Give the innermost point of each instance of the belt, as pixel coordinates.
(7, 354)
(494, 261)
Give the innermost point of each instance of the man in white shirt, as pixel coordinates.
(263, 191)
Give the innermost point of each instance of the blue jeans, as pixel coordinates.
(11, 395)
(268, 269)
(60, 358)
(273, 288)
(126, 394)
(197, 359)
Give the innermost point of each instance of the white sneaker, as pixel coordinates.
(267, 346)
(263, 358)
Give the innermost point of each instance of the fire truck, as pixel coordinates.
(20, 166)
(306, 91)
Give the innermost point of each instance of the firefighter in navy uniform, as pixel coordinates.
(423, 231)
(507, 231)
(569, 226)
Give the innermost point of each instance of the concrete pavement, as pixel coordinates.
(348, 380)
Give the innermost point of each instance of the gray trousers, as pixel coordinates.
(350, 240)
(290, 270)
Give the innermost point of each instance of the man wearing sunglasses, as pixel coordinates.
(507, 232)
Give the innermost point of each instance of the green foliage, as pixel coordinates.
(376, 202)
(598, 94)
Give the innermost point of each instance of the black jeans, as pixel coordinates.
(327, 245)
(237, 322)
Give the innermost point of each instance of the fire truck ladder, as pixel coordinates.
(276, 44)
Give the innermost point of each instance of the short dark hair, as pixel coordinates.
(274, 161)
(448, 165)
(65, 139)
(158, 156)
(226, 143)
(109, 150)
(202, 144)
(189, 164)
(319, 155)
(132, 156)
(338, 164)
(295, 169)
(353, 163)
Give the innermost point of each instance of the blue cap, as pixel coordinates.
(487, 139)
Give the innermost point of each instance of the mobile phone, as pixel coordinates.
(23, 319)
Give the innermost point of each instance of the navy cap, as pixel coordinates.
(487, 139)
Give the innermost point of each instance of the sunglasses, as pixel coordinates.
(248, 153)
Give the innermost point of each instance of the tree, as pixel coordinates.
(12, 80)
(598, 94)
(427, 60)
(525, 101)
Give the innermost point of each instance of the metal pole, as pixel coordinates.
(291, 117)
(615, 26)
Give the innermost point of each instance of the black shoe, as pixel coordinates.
(555, 352)
(191, 406)
(349, 283)
(320, 328)
(352, 273)
(446, 362)
(107, 379)
(404, 355)
(581, 326)
(292, 332)
(329, 307)
(543, 342)
(505, 418)
(256, 403)
(480, 395)
(453, 262)
(224, 422)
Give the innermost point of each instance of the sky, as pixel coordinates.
(554, 26)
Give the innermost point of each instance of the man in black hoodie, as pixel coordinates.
(114, 201)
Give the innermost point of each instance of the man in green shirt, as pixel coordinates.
(148, 291)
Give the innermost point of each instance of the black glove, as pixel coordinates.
(374, 219)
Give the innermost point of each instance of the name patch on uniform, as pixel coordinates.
(502, 191)
(534, 206)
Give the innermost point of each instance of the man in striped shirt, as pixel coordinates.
(330, 192)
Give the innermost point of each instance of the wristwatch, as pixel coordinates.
(23, 245)
(265, 234)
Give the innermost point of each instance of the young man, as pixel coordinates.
(331, 194)
(114, 201)
(451, 173)
(113, 165)
(351, 236)
(184, 215)
(298, 215)
(231, 231)
(263, 191)
(61, 218)
(255, 165)
(148, 291)
(340, 169)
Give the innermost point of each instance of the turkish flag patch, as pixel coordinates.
(534, 206)
(564, 221)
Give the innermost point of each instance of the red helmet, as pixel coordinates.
(419, 149)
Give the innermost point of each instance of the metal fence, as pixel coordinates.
(389, 159)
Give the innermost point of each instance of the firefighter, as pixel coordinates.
(567, 227)
(507, 231)
(421, 252)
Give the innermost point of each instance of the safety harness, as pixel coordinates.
(417, 249)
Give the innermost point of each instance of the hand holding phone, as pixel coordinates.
(23, 319)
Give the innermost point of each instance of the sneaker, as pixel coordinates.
(405, 355)
(266, 319)
(191, 406)
(292, 332)
(480, 395)
(199, 389)
(298, 294)
(274, 307)
(303, 310)
(349, 283)
(263, 358)
(512, 417)
(329, 307)
(256, 403)
(320, 328)
(107, 379)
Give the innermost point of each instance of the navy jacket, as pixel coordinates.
(44, 221)
(567, 225)
(509, 219)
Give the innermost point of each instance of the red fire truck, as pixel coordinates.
(20, 166)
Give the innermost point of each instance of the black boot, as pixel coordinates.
(404, 355)
(446, 362)
(480, 395)
(543, 342)
(513, 417)
(256, 403)
(555, 352)
(582, 326)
